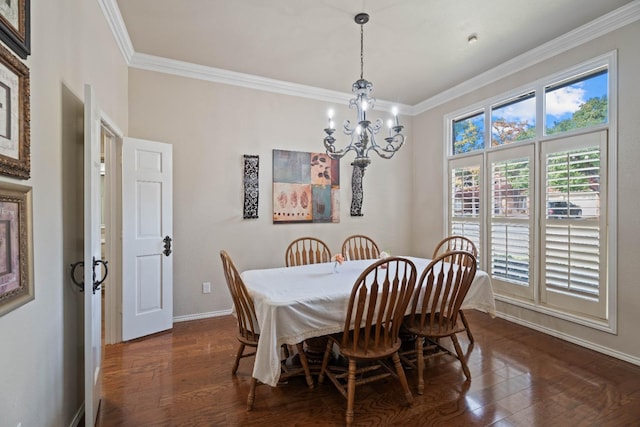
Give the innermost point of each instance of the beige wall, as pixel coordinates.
(211, 126)
(428, 223)
(41, 353)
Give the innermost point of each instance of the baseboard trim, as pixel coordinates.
(199, 316)
(570, 338)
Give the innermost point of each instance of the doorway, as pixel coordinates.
(110, 229)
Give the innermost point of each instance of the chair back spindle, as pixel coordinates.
(359, 246)
(455, 243)
(307, 250)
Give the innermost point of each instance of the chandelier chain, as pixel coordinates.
(361, 51)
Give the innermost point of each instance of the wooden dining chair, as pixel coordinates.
(248, 326)
(307, 250)
(377, 304)
(359, 246)
(435, 307)
(457, 243)
(303, 251)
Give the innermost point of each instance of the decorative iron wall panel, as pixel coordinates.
(251, 189)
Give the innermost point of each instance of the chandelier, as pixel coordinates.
(363, 133)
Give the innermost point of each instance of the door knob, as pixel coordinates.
(96, 283)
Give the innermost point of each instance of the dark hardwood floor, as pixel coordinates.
(520, 377)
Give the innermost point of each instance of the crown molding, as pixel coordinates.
(116, 23)
(605, 24)
(218, 75)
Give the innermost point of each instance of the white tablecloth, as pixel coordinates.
(296, 303)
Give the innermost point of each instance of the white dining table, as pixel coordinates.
(293, 304)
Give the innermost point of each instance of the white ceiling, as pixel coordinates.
(414, 49)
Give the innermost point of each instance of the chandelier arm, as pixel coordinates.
(394, 144)
(337, 154)
(382, 152)
(376, 127)
(347, 128)
(329, 142)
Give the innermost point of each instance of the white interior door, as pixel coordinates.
(92, 253)
(147, 230)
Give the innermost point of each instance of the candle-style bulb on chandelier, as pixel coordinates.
(362, 135)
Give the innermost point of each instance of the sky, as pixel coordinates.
(560, 103)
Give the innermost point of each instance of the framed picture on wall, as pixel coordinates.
(306, 187)
(15, 23)
(16, 247)
(14, 116)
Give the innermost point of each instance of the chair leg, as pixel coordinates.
(351, 391)
(325, 361)
(286, 350)
(466, 326)
(238, 357)
(402, 377)
(305, 364)
(252, 394)
(420, 361)
(465, 368)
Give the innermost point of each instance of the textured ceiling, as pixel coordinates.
(414, 49)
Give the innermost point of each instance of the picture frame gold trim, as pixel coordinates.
(15, 26)
(16, 264)
(15, 130)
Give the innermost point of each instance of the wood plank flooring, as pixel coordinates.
(520, 377)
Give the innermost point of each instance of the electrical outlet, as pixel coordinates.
(206, 287)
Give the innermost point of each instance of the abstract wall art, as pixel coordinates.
(306, 187)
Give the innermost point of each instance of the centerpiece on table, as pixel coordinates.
(384, 255)
(337, 259)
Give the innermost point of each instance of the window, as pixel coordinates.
(468, 134)
(514, 120)
(535, 201)
(578, 103)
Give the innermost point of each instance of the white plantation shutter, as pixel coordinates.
(572, 259)
(511, 221)
(464, 198)
(574, 265)
(510, 252)
(470, 229)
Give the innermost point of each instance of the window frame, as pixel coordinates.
(606, 61)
